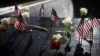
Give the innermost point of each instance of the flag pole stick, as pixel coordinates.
(91, 40)
(92, 35)
(82, 29)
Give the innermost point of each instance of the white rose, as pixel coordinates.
(25, 15)
(6, 20)
(83, 11)
(67, 21)
(57, 36)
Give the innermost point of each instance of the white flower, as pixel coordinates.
(83, 11)
(57, 36)
(4, 23)
(6, 20)
(61, 39)
(9, 20)
(67, 21)
(25, 15)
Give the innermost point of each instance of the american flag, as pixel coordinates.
(41, 12)
(83, 28)
(17, 11)
(54, 17)
(20, 25)
(95, 22)
(89, 35)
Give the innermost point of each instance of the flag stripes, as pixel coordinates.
(84, 28)
(95, 22)
(20, 25)
(89, 35)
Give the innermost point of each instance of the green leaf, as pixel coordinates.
(65, 31)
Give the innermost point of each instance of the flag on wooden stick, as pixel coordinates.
(41, 12)
(54, 17)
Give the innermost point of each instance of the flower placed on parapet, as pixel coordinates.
(83, 11)
(25, 13)
(60, 38)
(67, 21)
(57, 36)
(5, 22)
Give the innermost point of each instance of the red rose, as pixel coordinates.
(55, 44)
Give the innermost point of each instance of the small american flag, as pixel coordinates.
(54, 17)
(17, 11)
(41, 12)
(84, 28)
(21, 26)
(95, 22)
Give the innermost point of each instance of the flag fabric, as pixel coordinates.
(54, 17)
(83, 28)
(89, 35)
(20, 24)
(17, 11)
(41, 12)
(95, 22)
